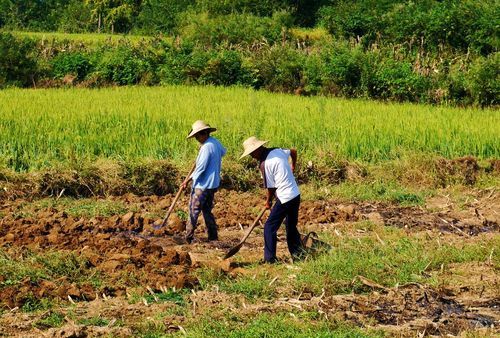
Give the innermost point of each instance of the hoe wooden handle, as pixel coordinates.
(237, 248)
(165, 219)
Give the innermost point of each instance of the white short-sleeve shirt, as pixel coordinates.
(277, 173)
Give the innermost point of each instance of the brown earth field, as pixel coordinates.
(128, 253)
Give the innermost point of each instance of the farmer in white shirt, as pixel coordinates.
(206, 180)
(280, 183)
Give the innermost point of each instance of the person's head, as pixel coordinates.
(254, 147)
(202, 136)
(200, 131)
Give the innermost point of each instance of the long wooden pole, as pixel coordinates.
(165, 219)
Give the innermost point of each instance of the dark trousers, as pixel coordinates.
(202, 201)
(289, 212)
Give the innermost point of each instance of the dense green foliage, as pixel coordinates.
(17, 64)
(425, 51)
(458, 23)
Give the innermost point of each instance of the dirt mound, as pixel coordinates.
(116, 246)
(494, 166)
(461, 170)
(466, 223)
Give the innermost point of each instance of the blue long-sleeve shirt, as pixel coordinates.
(206, 175)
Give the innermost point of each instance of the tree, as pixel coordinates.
(99, 8)
(122, 12)
(111, 12)
(76, 17)
(161, 16)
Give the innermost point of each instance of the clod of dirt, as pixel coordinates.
(128, 218)
(176, 223)
(375, 218)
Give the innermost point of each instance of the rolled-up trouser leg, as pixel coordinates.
(271, 227)
(292, 234)
(206, 208)
(195, 207)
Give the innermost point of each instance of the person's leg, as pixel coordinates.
(195, 204)
(271, 227)
(292, 234)
(207, 207)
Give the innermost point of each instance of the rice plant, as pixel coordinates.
(41, 127)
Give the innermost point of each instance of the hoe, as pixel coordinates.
(165, 219)
(237, 248)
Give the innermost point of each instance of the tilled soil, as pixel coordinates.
(130, 245)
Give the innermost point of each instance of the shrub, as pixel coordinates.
(254, 7)
(76, 63)
(484, 80)
(123, 65)
(233, 28)
(18, 67)
(484, 33)
(360, 19)
(342, 70)
(280, 69)
(457, 85)
(458, 24)
(313, 75)
(225, 68)
(173, 69)
(391, 79)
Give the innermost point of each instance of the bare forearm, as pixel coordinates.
(269, 198)
(293, 155)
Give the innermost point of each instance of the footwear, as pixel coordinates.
(272, 261)
(182, 240)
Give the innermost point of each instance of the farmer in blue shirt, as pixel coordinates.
(206, 180)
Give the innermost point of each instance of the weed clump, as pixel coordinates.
(106, 177)
(463, 170)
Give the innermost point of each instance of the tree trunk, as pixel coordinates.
(99, 24)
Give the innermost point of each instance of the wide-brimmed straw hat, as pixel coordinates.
(199, 126)
(251, 144)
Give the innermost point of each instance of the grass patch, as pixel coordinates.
(92, 208)
(32, 304)
(22, 264)
(276, 325)
(94, 321)
(366, 190)
(173, 296)
(399, 260)
(52, 319)
(83, 207)
(91, 39)
(253, 287)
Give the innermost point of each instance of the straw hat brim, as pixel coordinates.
(253, 148)
(194, 132)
